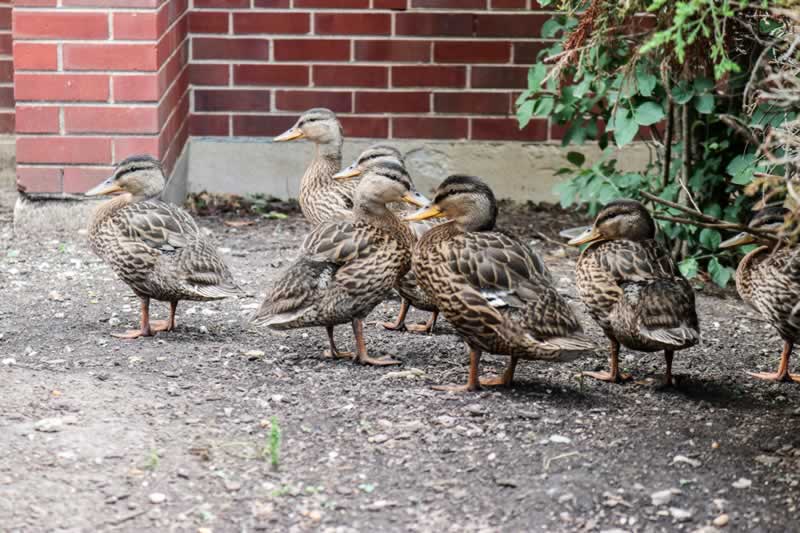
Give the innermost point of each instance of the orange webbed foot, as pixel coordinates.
(619, 377)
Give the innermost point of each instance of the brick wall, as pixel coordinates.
(430, 69)
(96, 81)
(6, 70)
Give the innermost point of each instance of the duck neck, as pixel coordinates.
(376, 214)
(327, 162)
(106, 209)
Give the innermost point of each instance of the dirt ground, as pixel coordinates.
(172, 433)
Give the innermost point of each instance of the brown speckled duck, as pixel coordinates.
(491, 287)
(321, 198)
(347, 267)
(410, 293)
(768, 278)
(632, 287)
(154, 247)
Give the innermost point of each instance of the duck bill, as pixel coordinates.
(431, 211)
(106, 187)
(590, 235)
(289, 135)
(347, 174)
(416, 199)
(738, 240)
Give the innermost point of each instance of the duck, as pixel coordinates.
(495, 291)
(633, 289)
(155, 247)
(322, 198)
(411, 295)
(768, 279)
(347, 267)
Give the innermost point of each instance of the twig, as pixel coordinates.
(549, 460)
(668, 141)
(127, 517)
(551, 241)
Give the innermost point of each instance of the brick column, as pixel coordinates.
(6, 70)
(97, 81)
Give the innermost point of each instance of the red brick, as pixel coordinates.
(393, 50)
(60, 25)
(507, 129)
(231, 100)
(7, 122)
(209, 125)
(509, 4)
(449, 4)
(37, 119)
(471, 52)
(128, 146)
(174, 66)
(7, 97)
(368, 127)
(205, 74)
(132, 88)
(35, 3)
(81, 179)
(6, 71)
(171, 11)
(110, 57)
(338, 101)
(6, 44)
(208, 22)
(111, 119)
(35, 56)
(174, 39)
(244, 23)
(352, 24)
(333, 4)
(5, 17)
(212, 48)
(525, 53)
(282, 4)
(38, 179)
(63, 87)
(311, 50)
(63, 150)
(222, 4)
(500, 77)
(433, 24)
(472, 103)
(392, 102)
(261, 125)
(118, 4)
(390, 4)
(350, 76)
(516, 25)
(136, 26)
(283, 75)
(428, 76)
(429, 128)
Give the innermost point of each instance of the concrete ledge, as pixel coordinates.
(517, 171)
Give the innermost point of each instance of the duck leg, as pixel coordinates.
(333, 352)
(400, 323)
(613, 375)
(473, 383)
(426, 327)
(668, 382)
(783, 370)
(144, 330)
(166, 325)
(506, 379)
(361, 348)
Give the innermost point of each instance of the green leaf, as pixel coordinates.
(719, 273)
(710, 238)
(741, 168)
(704, 103)
(551, 27)
(566, 193)
(624, 126)
(688, 267)
(631, 180)
(544, 106)
(525, 112)
(682, 93)
(702, 85)
(535, 76)
(576, 158)
(645, 80)
(648, 113)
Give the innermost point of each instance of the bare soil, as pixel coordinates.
(172, 433)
